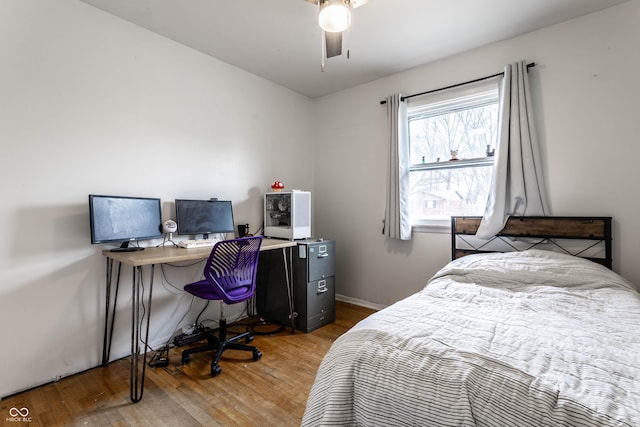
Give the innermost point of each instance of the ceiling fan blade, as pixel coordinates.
(333, 44)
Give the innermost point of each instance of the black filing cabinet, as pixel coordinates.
(313, 265)
(314, 284)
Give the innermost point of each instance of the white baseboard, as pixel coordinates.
(361, 303)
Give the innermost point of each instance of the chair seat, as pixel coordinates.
(203, 289)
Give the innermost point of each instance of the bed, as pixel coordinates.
(539, 336)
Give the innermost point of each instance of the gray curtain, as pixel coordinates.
(396, 217)
(517, 185)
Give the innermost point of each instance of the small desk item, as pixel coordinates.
(197, 243)
(137, 260)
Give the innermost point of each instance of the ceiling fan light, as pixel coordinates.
(334, 17)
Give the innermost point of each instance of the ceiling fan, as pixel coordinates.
(334, 18)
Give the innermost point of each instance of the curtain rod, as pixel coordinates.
(404, 98)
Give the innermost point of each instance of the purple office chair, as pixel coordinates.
(229, 276)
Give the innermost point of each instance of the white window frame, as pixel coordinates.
(464, 97)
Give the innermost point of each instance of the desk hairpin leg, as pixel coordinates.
(137, 374)
(109, 317)
(288, 271)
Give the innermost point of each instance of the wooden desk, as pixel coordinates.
(150, 257)
(166, 254)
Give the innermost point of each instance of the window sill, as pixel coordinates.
(453, 164)
(435, 227)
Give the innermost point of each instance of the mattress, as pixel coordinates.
(532, 338)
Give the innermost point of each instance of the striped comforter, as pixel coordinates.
(532, 338)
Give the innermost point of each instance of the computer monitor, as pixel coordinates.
(124, 219)
(204, 217)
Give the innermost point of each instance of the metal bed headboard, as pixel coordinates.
(585, 237)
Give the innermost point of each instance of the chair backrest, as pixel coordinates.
(232, 268)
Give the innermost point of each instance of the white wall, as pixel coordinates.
(586, 94)
(92, 104)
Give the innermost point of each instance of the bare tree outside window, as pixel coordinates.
(451, 148)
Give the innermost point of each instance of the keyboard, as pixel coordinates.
(198, 243)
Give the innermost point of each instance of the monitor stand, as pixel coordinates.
(124, 247)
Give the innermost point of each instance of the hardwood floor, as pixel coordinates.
(269, 392)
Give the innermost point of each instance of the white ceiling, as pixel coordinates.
(279, 40)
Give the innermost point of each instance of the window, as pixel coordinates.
(452, 139)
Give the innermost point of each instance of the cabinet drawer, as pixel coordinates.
(321, 296)
(319, 258)
(320, 320)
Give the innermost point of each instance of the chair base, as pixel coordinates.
(220, 344)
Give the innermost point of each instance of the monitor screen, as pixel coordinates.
(204, 216)
(124, 219)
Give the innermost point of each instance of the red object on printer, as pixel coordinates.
(277, 186)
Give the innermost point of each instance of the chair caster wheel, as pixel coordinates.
(186, 359)
(248, 339)
(257, 354)
(216, 370)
